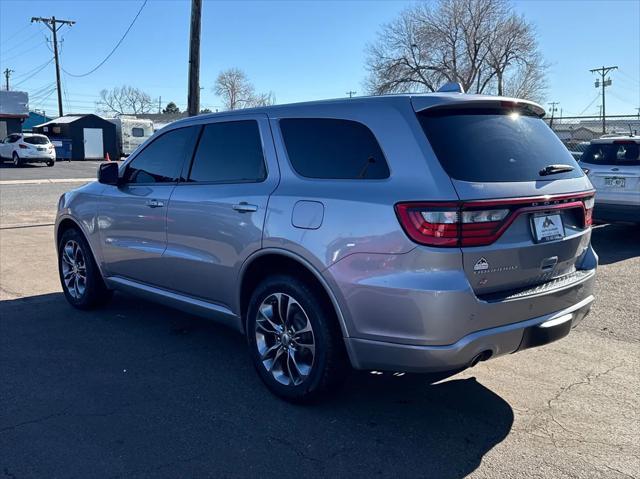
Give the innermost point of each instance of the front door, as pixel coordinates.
(93, 145)
(132, 216)
(216, 216)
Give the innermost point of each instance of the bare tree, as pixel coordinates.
(236, 91)
(125, 100)
(482, 44)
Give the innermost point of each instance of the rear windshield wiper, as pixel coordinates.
(553, 169)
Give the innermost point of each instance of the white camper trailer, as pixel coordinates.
(131, 132)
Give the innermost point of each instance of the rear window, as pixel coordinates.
(619, 153)
(229, 152)
(36, 140)
(333, 149)
(494, 144)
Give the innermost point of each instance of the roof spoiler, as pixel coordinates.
(451, 87)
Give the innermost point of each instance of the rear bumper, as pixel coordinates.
(378, 355)
(616, 212)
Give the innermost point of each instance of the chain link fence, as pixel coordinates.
(576, 131)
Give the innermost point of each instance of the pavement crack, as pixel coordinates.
(35, 421)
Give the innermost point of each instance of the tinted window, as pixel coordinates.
(36, 140)
(495, 145)
(620, 153)
(137, 132)
(161, 161)
(229, 152)
(327, 148)
(13, 138)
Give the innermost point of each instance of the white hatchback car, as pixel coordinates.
(613, 166)
(27, 148)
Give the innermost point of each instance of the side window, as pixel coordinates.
(137, 132)
(13, 138)
(161, 160)
(333, 149)
(229, 152)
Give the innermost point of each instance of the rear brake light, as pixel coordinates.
(472, 223)
(23, 146)
(589, 203)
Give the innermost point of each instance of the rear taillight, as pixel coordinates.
(478, 223)
(589, 203)
(23, 146)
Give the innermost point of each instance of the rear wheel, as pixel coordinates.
(294, 340)
(81, 280)
(51, 163)
(17, 162)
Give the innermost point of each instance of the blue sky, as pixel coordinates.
(298, 50)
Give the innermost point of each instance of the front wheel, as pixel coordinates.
(294, 340)
(81, 280)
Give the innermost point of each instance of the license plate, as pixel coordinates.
(614, 182)
(547, 228)
(41, 148)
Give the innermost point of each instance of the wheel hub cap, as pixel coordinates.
(285, 339)
(74, 270)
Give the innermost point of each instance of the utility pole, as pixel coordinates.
(193, 100)
(7, 74)
(54, 25)
(603, 83)
(351, 93)
(553, 110)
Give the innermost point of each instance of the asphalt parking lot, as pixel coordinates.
(138, 390)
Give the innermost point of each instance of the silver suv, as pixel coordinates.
(404, 233)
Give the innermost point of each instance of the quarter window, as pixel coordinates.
(229, 152)
(161, 161)
(333, 149)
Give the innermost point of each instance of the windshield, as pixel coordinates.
(494, 144)
(617, 153)
(36, 140)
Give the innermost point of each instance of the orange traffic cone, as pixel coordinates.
(106, 157)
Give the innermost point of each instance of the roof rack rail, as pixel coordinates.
(453, 87)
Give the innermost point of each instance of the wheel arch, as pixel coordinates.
(67, 223)
(274, 260)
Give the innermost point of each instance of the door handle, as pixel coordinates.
(244, 207)
(155, 204)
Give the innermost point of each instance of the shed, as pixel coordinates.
(92, 137)
(35, 118)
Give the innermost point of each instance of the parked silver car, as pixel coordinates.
(418, 233)
(613, 166)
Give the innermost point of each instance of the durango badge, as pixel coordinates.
(481, 265)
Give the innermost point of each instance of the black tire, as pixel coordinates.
(94, 293)
(329, 365)
(51, 163)
(17, 162)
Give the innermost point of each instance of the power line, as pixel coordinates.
(42, 67)
(589, 105)
(114, 48)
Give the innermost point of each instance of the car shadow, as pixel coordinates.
(616, 242)
(136, 388)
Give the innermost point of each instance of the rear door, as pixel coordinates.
(522, 223)
(614, 169)
(216, 215)
(132, 217)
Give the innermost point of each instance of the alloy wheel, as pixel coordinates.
(285, 339)
(74, 269)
